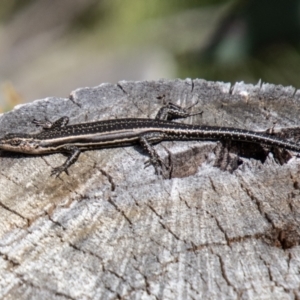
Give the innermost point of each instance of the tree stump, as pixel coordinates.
(221, 226)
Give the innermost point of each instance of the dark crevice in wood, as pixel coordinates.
(193, 85)
(162, 224)
(220, 227)
(109, 178)
(71, 98)
(271, 278)
(257, 203)
(285, 237)
(184, 201)
(119, 210)
(224, 274)
(15, 213)
(121, 88)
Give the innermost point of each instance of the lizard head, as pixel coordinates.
(18, 143)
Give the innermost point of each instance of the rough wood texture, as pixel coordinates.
(114, 230)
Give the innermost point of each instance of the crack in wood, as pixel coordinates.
(121, 88)
(72, 99)
(258, 204)
(109, 178)
(271, 278)
(119, 210)
(15, 213)
(220, 227)
(223, 272)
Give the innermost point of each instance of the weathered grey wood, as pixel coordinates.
(114, 230)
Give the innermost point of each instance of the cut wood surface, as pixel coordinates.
(220, 227)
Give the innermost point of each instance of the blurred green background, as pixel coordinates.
(49, 48)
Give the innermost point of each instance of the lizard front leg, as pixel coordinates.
(146, 140)
(56, 125)
(74, 153)
(173, 111)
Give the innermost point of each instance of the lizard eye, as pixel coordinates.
(15, 142)
(12, 139)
